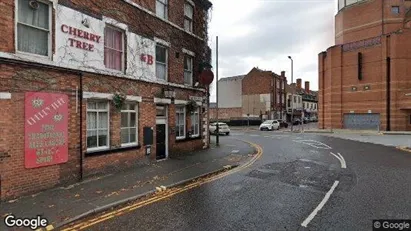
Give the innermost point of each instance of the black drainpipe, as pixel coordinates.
(388, 94)
(81, 125)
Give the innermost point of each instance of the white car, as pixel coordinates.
(222, 127)
(270, 125)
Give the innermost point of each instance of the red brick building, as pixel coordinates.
(88, 87)
(260, 94)
(365, 79)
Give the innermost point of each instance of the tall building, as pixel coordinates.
(365, 79)
(94, 86)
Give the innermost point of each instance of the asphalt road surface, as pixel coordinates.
(301, 182)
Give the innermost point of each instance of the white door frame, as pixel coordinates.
(163, 120)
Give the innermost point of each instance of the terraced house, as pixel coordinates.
(93, 86)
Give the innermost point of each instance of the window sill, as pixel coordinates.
(188, 139)
(100, 152)
(31, 56)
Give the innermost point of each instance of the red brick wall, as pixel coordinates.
(363, 20)
(17, 79)
(264, 82)
(132, 16)
(226, 113)
(257, 82)
(16, 180)
(338, 74)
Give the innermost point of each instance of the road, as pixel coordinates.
(301, 182)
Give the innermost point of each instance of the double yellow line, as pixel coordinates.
(168, 193)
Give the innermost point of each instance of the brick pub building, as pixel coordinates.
(88, 87)
(365, 79)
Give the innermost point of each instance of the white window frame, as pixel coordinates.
(166, 72)
(191, 64)
(183, 136)
(194, 113)
(49, 55)
(191, 20)
(123, 48)
(165, 9)
(108, 124)
(128, 111)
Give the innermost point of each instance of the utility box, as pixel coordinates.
(148, 135)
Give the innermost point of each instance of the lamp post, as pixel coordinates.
(217, 126)
(292, 93)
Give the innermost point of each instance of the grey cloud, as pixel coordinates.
(279, 28)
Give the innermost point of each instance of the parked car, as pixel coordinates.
(296, 121)
(222, 127)
(270, 125)
(283, 123)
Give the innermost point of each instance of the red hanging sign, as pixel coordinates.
(46, 123)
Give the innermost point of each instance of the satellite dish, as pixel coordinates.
(34, 4)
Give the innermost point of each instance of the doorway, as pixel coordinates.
(161, 132)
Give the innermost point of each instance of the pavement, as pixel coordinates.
(301, 182)
(64, 204)
(399, 139)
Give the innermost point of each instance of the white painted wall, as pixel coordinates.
(67, 55)
(229, 93)
(75, 57)
(138, 45)
(297, 105)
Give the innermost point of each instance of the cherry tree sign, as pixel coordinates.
(46, 123)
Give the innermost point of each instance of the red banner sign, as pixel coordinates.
(46, 123)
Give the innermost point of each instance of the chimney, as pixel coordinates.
(307, 86)
(283, 74)
(298, 83)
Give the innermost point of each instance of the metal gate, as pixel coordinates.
(362, 121)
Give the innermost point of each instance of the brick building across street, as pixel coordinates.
(88, 87)
(260, 94)
(365, 79)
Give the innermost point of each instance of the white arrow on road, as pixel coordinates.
(341, 159)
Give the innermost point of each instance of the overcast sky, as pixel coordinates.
(262, 33)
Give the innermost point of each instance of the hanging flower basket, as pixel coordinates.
(191, 106)
(118, 100)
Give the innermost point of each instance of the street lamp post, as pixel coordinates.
(292, 93)
(218, 122)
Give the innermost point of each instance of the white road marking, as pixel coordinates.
(279, 136)
(254, 135)
(341, 159)
(320, 206)
(314, 143)
(235, 151)
(344, 164)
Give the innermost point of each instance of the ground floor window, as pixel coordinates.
(180, 122)
(195, 123)
(129, 124)
(97, 124)
(410, 119)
